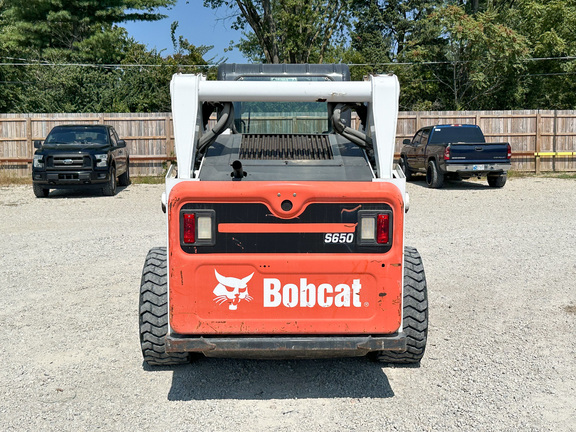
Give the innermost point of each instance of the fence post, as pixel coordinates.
(538, 141)
(29, 143)
(168, 133)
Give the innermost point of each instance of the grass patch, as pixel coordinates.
(7, 180)
(147, 180)
(563, 175)
(550, 174)
(520, 174)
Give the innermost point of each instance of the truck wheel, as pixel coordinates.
(497, 181)
(39, 191)
(405, 168)
(414, 311)
(124, 179)
(110, 188)
(154, 311)
(434, 178)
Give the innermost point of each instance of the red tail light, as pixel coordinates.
(447, 153)
(509, 151)
(189, 235)
(383, 229)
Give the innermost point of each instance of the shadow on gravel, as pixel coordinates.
(455, 184)
(79, 193)
(206, 379)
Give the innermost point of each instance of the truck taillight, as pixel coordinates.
(383, 229)
(375, 228)
(197, 228)
(509, 151)
(447, 153)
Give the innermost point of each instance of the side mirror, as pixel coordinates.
(406, 141)
(121, 143)
(37, 144)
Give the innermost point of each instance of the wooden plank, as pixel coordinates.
(29, 142)
(169, 141)
(538, 142)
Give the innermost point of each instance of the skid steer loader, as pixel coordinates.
(285, 223)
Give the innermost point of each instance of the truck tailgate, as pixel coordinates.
(478, 152)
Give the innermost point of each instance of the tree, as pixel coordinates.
(47, 26)
(550, 28)
(75, 59)
(478, 60)
(287, 31)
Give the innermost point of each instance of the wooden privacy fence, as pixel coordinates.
(540, 140)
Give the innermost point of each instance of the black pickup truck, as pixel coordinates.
(75, 156)
(457, 152)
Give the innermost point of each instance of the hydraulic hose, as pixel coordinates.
(225, 119)
(357, 137)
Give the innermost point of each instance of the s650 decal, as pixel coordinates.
(339, 238)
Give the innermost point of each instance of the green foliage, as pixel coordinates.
(287, 31)
(473, 54)
(483, 59)
(79, 60)
(445, 58)
(550, 27)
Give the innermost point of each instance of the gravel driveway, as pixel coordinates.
(501, 270)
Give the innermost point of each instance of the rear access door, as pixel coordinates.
(285, 258)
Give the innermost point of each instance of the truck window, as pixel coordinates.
(113, 138)
(457, 134)
(73, 135)
(425, 136)
(417, 138)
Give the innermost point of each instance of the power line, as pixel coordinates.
(26, 62)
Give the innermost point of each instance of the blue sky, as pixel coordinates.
(198, 24)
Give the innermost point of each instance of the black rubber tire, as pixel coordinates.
(110, 188)
(414, 311)
(39, 191)
(124, 179)
(434, 178)
(405, 168)
(154, 311)
(497, 181)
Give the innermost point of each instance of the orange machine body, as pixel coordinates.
(236, 286)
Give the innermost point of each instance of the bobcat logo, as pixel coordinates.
(231, 290)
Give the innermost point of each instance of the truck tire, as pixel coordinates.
(110, 188)
(124, 179)
(405, 168)
(497, 181)
(434, 178)
(154, 311)
(414, 312)
(39, 191)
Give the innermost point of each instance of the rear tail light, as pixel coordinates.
(509, 151)
(189, 228)
(383, 229)
(375, 228)
(197, 228)
(447, 153)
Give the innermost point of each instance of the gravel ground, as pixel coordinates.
(501, 271)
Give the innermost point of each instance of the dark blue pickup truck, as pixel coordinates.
(457, 152)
